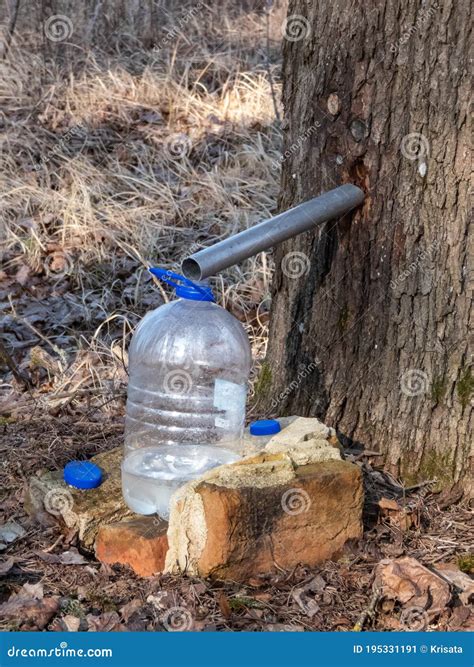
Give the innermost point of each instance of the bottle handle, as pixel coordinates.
(174, 279)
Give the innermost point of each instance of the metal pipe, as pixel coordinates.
(268, 233)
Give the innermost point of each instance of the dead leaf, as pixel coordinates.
(68, 623)
(401, 517)
(6, 566)
(460, 580)
(200, 588)
(72, 557)
(224, 606)
(9, 532)
(107, 622)
(23, 274)
(389, 504)
(151, 117)
(262, 597)
(130, 608)
(30, 607)
(408, 581)
(462, 618)
(162, 600)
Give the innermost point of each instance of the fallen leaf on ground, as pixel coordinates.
(9, 532)
(224, 606)
(162, 600)
(23, 274)
(71, 557)
(130, 608)
(462, 618)
(460, 580)
(408, 581)
(6, 566)
(398, 516)
(68, 623)
(30, 607)
(107, 622)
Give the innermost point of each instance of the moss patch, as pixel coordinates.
(465, 387)
(438, 389)
(466, 563)
(433, 466)
(264, 381)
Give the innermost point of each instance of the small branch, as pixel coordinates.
(17, 373)
(369, 612)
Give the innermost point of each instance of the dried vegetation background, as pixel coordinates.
(112, 160)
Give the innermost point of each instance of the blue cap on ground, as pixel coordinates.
(265, 427)
(82, 474)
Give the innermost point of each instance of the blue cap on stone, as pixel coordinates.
(265, 427)
(82, 474)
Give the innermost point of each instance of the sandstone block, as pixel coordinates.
(141, 543)
(241, 520)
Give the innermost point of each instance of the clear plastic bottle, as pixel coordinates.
(189, 363)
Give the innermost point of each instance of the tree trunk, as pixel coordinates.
(371, 314)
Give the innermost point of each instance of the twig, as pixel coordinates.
(367, 612)
(17, 373)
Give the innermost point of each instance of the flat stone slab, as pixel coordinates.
(85, 510)
(294, 501)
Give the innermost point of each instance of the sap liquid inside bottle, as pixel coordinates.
(189, 363)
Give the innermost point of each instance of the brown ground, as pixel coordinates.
(83, 214)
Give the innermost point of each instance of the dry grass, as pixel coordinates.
(120, 161)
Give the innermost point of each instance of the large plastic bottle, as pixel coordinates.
(189, 363)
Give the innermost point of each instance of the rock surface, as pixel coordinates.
(141, 543)
(244, 519)
(75, 508)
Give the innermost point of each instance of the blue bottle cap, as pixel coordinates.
(82, 474)
(265, 427)
(184, 287)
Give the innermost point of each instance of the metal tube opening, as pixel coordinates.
(191, 269)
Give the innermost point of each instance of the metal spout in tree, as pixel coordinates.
(266, 234)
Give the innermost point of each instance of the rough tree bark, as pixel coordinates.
(371, 317)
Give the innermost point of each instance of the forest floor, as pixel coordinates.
(115, 163)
